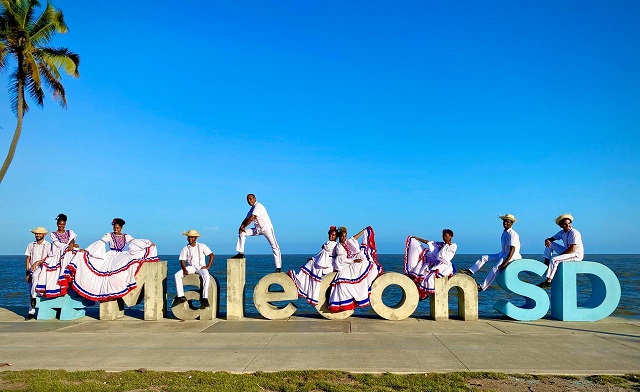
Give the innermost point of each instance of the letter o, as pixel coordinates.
(406, 306)
(323, 300)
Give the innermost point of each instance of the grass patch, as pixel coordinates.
(286, 381)
(569, 378)
(607, 380)
(56, 380)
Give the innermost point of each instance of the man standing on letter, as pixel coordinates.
(262, 226)
(571, 251)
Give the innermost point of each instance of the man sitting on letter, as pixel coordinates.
(510, 242)
(571, 251)
(192, 261)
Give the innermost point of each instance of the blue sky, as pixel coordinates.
(407, 116)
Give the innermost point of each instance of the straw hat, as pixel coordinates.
(191, 233)
(39, 230)
(563, 217)
(508, 217)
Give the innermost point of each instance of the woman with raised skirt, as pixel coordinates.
(102, 275)
(425, 263)
(308, 279)
(63, 250)
(357, 267)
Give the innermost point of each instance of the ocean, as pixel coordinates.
(15, 292)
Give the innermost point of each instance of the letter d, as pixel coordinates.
(605, 292)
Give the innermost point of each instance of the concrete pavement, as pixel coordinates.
(357, 344)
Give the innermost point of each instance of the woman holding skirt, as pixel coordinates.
(102, 275)
(308, 279)
(63, 250)
(357, 266)
(424, 264)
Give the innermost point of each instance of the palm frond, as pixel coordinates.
(9, 7)
(31, 69)
(49, 22)
(60, 57)
(3, 56)
(52, 82)
(24, 12)
(14, 87)
(35, 90)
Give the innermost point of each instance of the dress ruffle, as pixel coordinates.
(351, 287)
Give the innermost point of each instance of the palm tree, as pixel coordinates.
(24, 38)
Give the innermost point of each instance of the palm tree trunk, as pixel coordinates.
(16, 133)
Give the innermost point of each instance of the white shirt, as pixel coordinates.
(571, 237)
(37, 251)
(347, 253)
(439, 252)
(508, 239)
(195, 255)
(262, 220)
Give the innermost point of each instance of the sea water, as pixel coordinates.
(15, 292)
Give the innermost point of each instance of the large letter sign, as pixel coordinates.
(151, 279)
(536, 299)
(605, 292)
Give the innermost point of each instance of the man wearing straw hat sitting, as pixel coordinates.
(192, 261)
(571, 251)
(510, 251)
(35, 254)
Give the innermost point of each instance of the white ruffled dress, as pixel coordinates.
(102, 275)
(424, 264)
(351, 287)
(308, 279)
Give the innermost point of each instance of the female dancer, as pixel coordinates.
(424, 264)
(357, 266)
(63, 250)
(308, 279)
(102, 275)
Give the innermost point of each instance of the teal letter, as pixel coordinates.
(536, 299)
(605, 292)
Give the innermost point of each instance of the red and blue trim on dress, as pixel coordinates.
(370, 251)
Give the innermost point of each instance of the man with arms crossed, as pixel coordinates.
(510, 251)
(262, 226)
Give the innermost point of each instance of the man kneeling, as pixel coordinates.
(192, 261)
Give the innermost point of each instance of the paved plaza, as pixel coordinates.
(357, 344)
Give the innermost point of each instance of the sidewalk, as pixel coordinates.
(358, 344)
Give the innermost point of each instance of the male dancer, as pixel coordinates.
(35, 254)
(192, 261)
(262, 226)
(510, 242)
(571, 251)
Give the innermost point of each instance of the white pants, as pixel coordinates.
(35, 275)
(34, 281)
(498, 258)
(554, 261)
(204, 273)
(269, 234)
